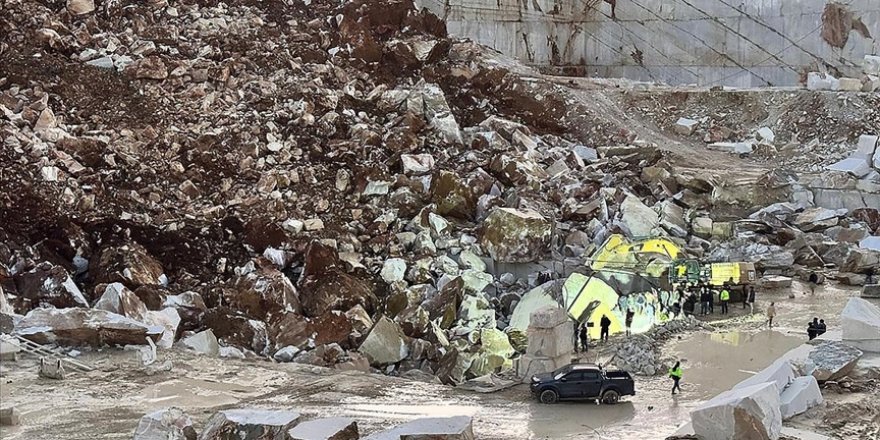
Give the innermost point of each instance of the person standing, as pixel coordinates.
(605, 325)
(725, 299)
(711, 299)
(704, 302)
(822, 328)
(629, 321)
(771, 313)
(751, 300)
(814, 280)
(675, 374)
(584, 338)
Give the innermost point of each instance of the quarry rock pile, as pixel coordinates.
(339, 185)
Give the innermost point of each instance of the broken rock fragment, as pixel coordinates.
(637, 220)
(80, 7)
(325, 286)
(150, 68)
(742, 413)
(331, 428)
(202, 343)
(802, 394)
(385, 344)
(256, 424)
(860, 322)
(263, 292)
(79, 326)
(516, 236)
(831, 360)
(165, 424)
(130, 264)
(121, 301)
(47, 285)
(433, 428)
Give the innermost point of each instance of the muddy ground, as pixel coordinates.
(110, 400)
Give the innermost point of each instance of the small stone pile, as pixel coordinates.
(640, 354)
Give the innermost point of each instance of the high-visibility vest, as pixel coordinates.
(725, 295)
(675, 372)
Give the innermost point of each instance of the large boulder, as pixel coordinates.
(304, 333)
(250, 424)
(202, 343)
(46, 285)
(742, 413)
(433, 428)
(331, 428)
(860, 322)
(121, 301)
(453, 196)
(79, 326)
(385, 344)
(779, 372)
(636, 219)
(802, 394)
(325, 286)
(189, 305)
(165, 424)
(515, 236)
(233, 328)
(831, 360)
(861, 260)
(262, 292)
(130, 264)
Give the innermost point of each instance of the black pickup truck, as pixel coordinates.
(582, 382)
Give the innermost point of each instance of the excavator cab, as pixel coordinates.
(685, 271)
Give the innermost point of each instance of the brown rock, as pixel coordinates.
(299, 331)
(121, 301)
(457, 197)
(79, 326)
(445, 303)
(150, 68)
(324, 286)
(130, 264)
(515, 236)
(46, 285)
(233, 328)
(263, 292)
(152, 296)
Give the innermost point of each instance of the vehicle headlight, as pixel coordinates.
(534, 378)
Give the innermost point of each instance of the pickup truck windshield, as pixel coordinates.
(561, 372)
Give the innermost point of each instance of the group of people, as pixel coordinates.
(816, 327)
(582, 336)
(706, 294)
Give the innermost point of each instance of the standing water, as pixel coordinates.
(715, 362)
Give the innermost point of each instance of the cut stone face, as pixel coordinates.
(802, 394)
(751, 413)
(860, 322)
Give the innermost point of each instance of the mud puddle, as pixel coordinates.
(715, 362)
(187, 392)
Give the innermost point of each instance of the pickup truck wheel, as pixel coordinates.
(549, 396)
(610, 397)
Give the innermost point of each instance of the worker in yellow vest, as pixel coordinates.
(725, 298)
(675, 375)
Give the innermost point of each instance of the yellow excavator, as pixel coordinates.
(661, 259)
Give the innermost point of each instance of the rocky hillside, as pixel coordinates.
(340, 182)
